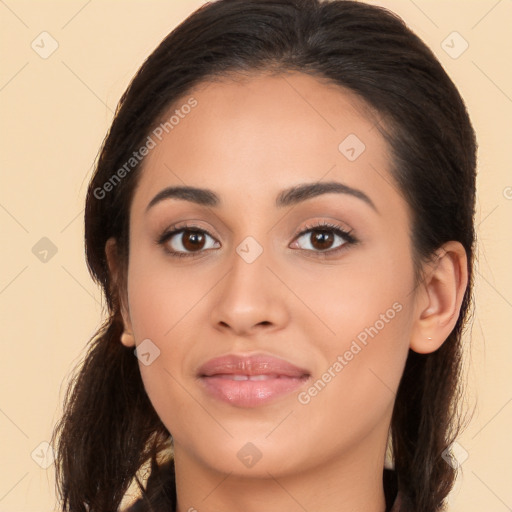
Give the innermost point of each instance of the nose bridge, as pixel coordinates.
(249, 267)
(249, 295)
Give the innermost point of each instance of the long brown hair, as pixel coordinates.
(109, 429)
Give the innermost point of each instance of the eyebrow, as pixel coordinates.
(288, 197)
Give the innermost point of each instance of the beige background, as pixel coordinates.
(55, 112)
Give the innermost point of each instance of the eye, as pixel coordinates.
(324, 238)
(187, 240)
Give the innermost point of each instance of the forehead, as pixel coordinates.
(260, 134)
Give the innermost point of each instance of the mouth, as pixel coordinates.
(250, 381)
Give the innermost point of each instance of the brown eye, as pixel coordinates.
(321, 240)
(193, 240)
(187, 241)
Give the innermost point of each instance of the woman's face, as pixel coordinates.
(315, 324)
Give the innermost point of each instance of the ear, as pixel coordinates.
(439, 298)
(111, 254)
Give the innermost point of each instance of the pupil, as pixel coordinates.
(193, 240)
(322, 240)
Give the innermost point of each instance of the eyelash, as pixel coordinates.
(321, 226)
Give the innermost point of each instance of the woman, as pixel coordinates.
(281, 219)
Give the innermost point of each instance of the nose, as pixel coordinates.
(250, 299)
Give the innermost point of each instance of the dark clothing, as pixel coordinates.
(395, 500)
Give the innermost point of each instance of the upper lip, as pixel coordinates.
(235, 364)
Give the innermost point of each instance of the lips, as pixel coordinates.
(250, 381)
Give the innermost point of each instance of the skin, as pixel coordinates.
(247, 140)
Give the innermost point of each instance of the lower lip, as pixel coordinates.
(251, 393)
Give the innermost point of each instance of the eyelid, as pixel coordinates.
(327, 226)
(179, 227)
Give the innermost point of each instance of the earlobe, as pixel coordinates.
(127, 337)
(440, 298)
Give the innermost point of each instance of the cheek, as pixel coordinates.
(363, 337)
(161, 296)
(355, 389)
(367, 295)
(369, 345)
(164, 304)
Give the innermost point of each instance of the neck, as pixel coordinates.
(349, 483)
